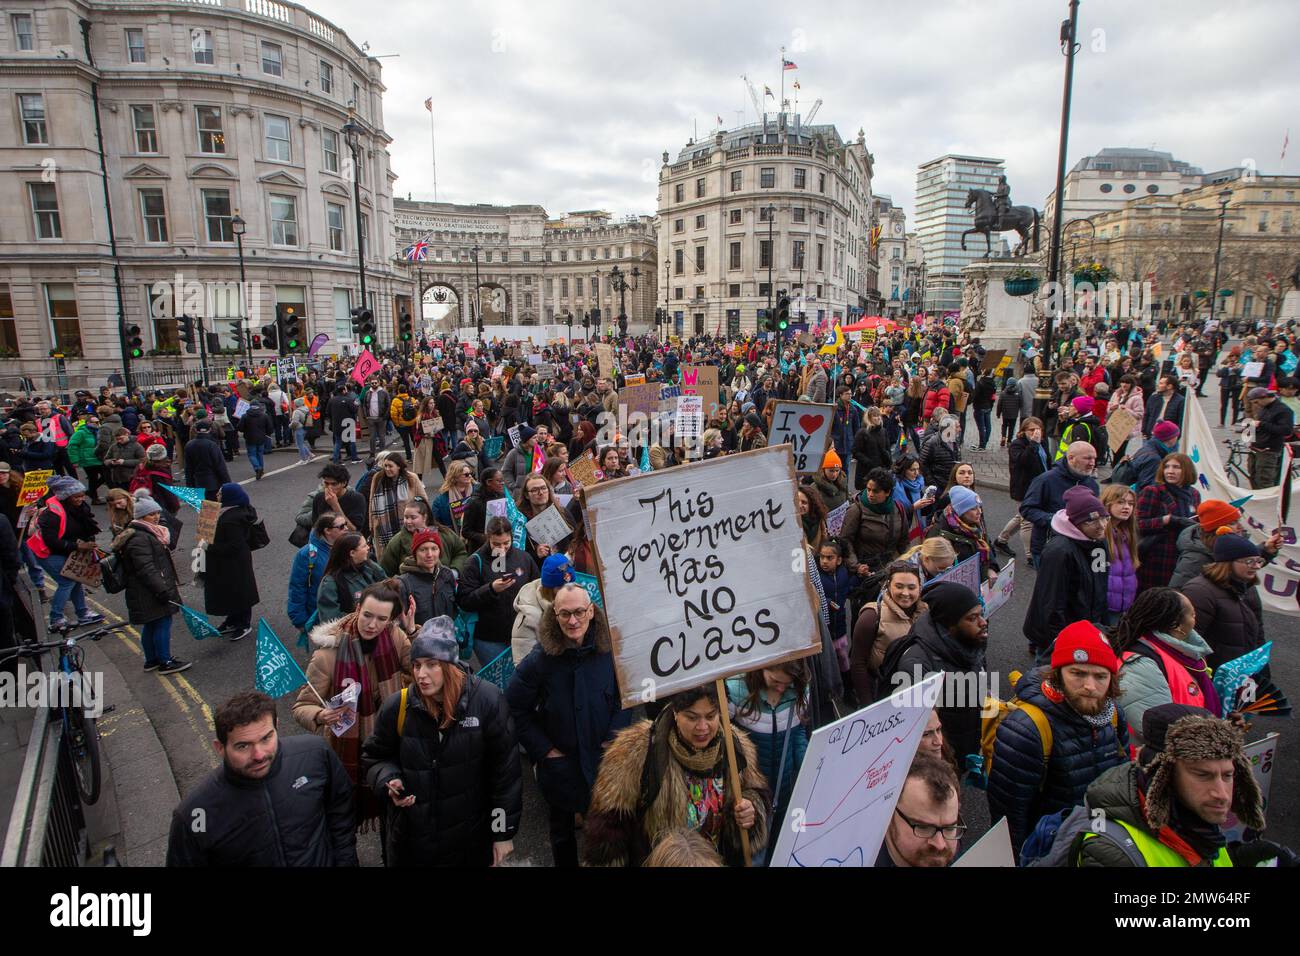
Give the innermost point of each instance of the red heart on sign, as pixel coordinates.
(810, 423)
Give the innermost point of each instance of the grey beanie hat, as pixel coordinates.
(64, 487)
(156, 453)
(146, 506)
(437, 641)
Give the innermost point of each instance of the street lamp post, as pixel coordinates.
(618, 282)
(352, 133)
(1224, 198)
(667, 280)
(238, 227)
(771, 257)
(477, 301)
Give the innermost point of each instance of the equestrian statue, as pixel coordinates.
(994, 213)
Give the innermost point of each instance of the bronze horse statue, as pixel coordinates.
(1023, 219)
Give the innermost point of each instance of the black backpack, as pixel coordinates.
(113, 571)
(889, 664)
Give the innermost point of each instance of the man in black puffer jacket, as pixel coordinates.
(461, 794)
(951, 636)
(1087, 733)
(274, 801)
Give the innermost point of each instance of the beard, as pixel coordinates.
(1087, 706)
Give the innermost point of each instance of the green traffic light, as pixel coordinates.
(137, 353)
(367, 339)
(293, 344)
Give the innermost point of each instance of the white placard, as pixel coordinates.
(1262, 755)
(513, 432)
(850, 781)
(241, 408)
(993, 848)
(549, 527)
(999, 592)
(703, 570)
(1252, 370)
(806, 428)
(534, 358)
(690, 416)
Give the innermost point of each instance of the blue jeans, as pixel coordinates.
(487, 651)
(64, 588)
(255, 452)
(34, 571)
(983, 422)
(300, 438)
(156, 638)
(338, 447)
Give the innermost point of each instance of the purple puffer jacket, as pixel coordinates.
(1121, 580)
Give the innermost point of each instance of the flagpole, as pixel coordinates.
(781, 102)
(433, 144)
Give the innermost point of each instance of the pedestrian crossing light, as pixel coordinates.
(134, 341)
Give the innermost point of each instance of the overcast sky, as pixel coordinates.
(570, 104)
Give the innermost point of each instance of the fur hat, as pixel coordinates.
(156, 453)
(1202, 738)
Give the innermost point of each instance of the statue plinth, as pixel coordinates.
(999, 319)
(1290, 306)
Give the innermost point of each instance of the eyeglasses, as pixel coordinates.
(1253, 562)
(573, 615)
(338, 527)
(926, 831)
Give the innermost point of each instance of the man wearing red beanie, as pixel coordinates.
(1065, 731)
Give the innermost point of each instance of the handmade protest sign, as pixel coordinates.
(605, 361)
(806, 428)
(634, 379)
(993, 848)
(997, 593)
(34, 485)
(549, 527)
(639, 399)
(583, 471)
(1262, 755)
(209, 512)
(964, 572)
(545, 370)
(850, 781)
(493, 446)
(1252, 370)
(702, 380)
(241, 408)
(513, 432)
(1119, 426)
(835, 520)
(992, 360)
(703, 572)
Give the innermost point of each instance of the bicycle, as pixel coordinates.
(74, 707)
(1238, 463)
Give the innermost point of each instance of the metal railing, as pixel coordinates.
(47, 826)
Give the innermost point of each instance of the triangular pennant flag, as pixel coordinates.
(1240, 501)
(517, 522)
(592, 585)
(645, 458)
(191, 496)
(303, 642)
(493, 446)
(199, 626)
(277, 672)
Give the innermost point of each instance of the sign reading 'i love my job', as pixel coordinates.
(806, 428)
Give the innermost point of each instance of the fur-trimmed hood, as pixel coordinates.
(1202, 738)
(553, 641)
(330, 634)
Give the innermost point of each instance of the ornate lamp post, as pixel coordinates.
(1224, 198)
(618, 281)
(238, 227)
(352, 133)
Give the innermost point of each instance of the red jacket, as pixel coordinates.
(1089, 381)
(936, 398)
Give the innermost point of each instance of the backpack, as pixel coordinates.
(409, 409)
(112, 572)
(1058, 837)
(1124, 474)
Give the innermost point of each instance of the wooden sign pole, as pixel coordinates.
(733, 776)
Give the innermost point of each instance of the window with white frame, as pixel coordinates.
(733, 217)
(217, 215)
(45, 210)
(8, 325)
(23, 36)
(733, 290)
(31, 108)
(153, 213)
(767, 177)
(765, 254)
(326, 77)
(733, 261)
(329, 140)
(365, 234)
(212, 138)
(737, 180)
(699, 258)
(201, 46)
(699, 222)
(800, 177)
(278, 147)
(284, 220)
(135, 46)
(334, 223)
(145, 126)
(798, 214)
(61, 303)
(272, 59)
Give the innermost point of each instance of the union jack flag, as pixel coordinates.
(418, 252)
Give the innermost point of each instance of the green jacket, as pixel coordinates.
(81, 447)
(454, 552)
(329, 607)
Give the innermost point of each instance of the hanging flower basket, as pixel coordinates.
(1094, 273)
(1020, 286)
(1201, 293)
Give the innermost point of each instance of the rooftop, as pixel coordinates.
(794, 132)
(1131, 160)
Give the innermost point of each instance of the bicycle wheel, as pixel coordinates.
(83, 747)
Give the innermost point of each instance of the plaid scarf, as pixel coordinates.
(972, 531)
(380, 675)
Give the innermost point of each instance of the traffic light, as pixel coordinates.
(270, 336)
(185, 329)
(568, 319)
(290, 323)
(237, 333)
(762, 320)
(595, 317)
(134, 342)
(257, 341)
(366, 327)
(782, 310)
(405, 328)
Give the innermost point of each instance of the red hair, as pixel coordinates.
(453, 683)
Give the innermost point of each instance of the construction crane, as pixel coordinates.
(753, 98)
(812, 113)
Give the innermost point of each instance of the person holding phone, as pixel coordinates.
(488, 586)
